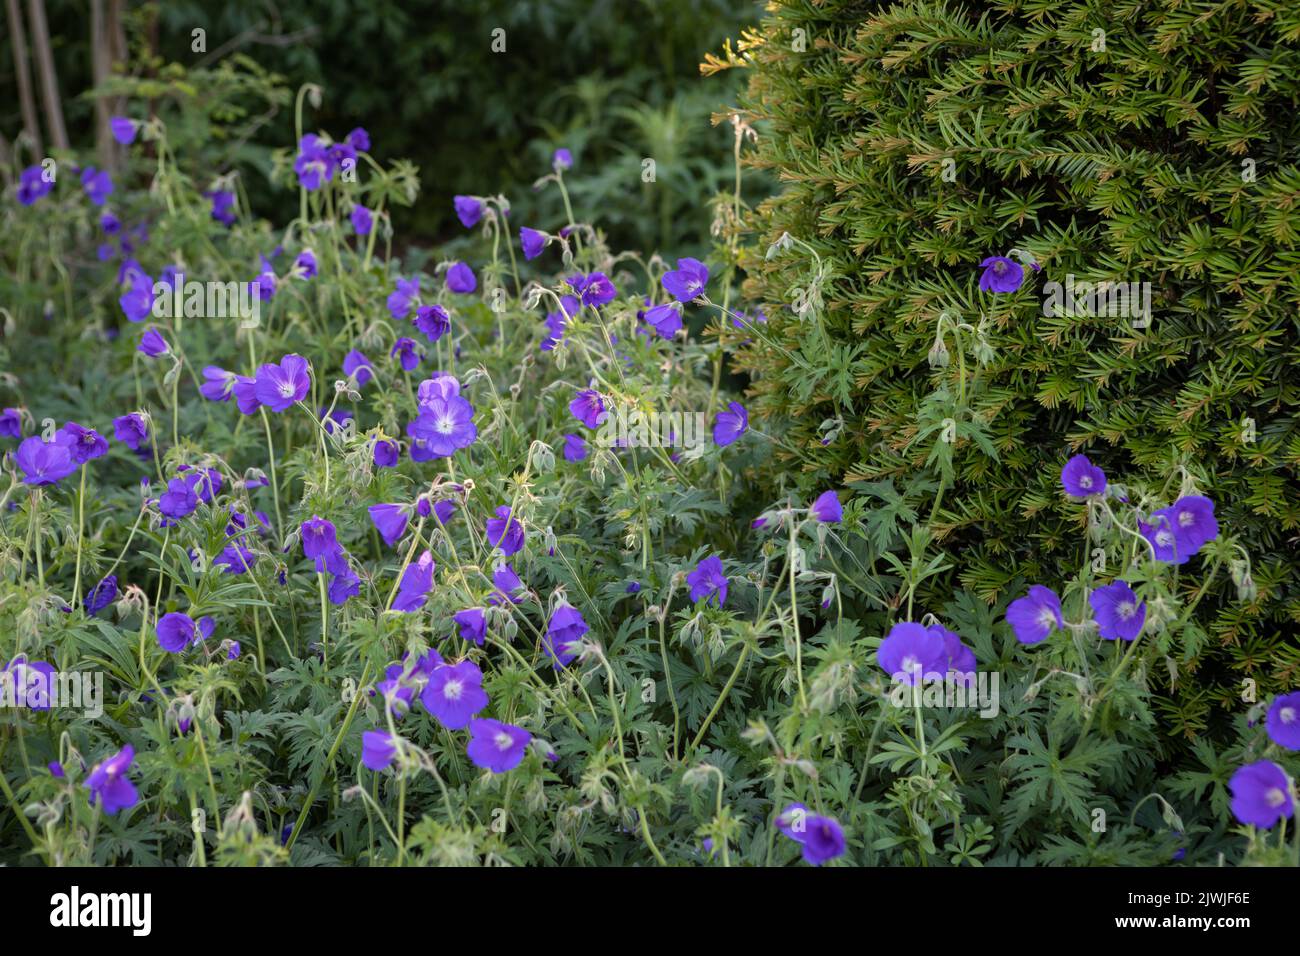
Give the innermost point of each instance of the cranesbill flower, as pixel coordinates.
(101, 595)
(29, 681)
(11, 423)
(218, 384)
(406, 353)
(823, 839)
(108, 784)
(131, 430)
(235, 559)
(98, 185)
(687, 281)
(455, 694)
(1283, 721)
(1082, 479)
(85, 444)
(961, 659)
(561, 160)
(390, 521)
(32, 185)
(505, 532)
(469, 210)
(563, 635)
(910, 653)
(1117, 610)
(708, 580)
(153, 344)
(589, 408)
(206, 482)
(359, 139)
(532, 241)
(443, 425)
(304, 267)
(460, 278)
(345, 584)
(1261, 794)
(180, 500)
(575, 448)
(358, 367)
(399, 300)
(123, 129)
(417, 581)
(176, 631)
(730, 425)
(665, 319)
(319, 539)
(472, 624)
(827, 508)
(508, 586)
(593, 289)
(1035, 615)
(279, 386)
(496, 746)
(137, 300)
(557, 321)
(385, 453)
(362, 220)
(1001, 274)
(223, 206)
(378, 749)
(313, 165)
(433, 321)
(44, 463)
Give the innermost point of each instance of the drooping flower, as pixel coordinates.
(1035, 615)
(378, 749)
(314, 165)
(304, 267)
(823, 840)
(176, 631)
(85, 444)
(153, 344)
(406, 353)
(101, 595)
(687, 281)
(218, 384)
(345, 584)
(557, 321)
(496, 746)
(363, 220)
(399, 300)
(1261, 794)
(1117, 610)
(415, 585)
(575, 448)
(319, 540)
(826, 508)
(359, 139)
(131, 430)
(223, 206)
(665, 319)
(108, 784)
(44, 463)
(123, 129)
(455, 694)
(730, 425)
(137, 301)
(1082, 479)
(469, 210)
(235, 559)
(508, 586)
(278, 387)
(390, 521)
(472, 624)
(1283, 721)
(1001, 274)
(385, 453)
(433, 321)
(912, 653)
(460, 278)
(589, 408)
(708, 581)
(563, 635)
(358, 367)
(532, 241)
(561, 160)
(31, 682)
(505, 532)
(11, 423)
(593, 289)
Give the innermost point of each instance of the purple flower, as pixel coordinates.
(29, 681)
(358, 367)
(176, 631)
(108, 783)
(180, 500)
(532, 241)
(153, 344)
(345, 583)
(455, 694)
(561, 160)
(137, 300)
(377, 749)
(44, 463)
(11, 423)
(85, 444)
(1261, 794)
(1082, 479)
(98, 185)
(827, 508)
(101, 595)
(666, 319)
(460, 278)
(1176, 533)
(280, 386)
(472, 624)
(563, 633)
(232, 654)
(314, 165)
(444, 425)
(385, 453)
(123, 129)
(417, 581)
(575, 448)
(505, 532)
(1283, 721)
(362, 220)
(729, 426)
(961, 659)
(304, 267)
(406, 353)
(223, 206)
(687, 281)
(496, 746)
(235, 559)
(319, 540)
(218, 385)
(708, 580)
(593, 289)
(32, 185)
(509, 587)
(911, 653)
(468, 210)
(390, 521)
(359, 140)
(823, 840)
(556, 321)
(433, 321)
(1035, 615)
(1118, 611)
(131, 430)
(399, 300)
(1001, 274)
(589, 408)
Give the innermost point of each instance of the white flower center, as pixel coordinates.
(1186, 518)
(1164, 538)
(286, 389)
(503, 740)
(1086, 481)
(911, 665)
(445, 425)
(1127, 609)
(1287, 715)
(1046, 618)
(452, 690)
(1275, 797)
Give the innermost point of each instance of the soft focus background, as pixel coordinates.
(616, 81)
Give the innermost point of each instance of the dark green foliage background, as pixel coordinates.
(1123, 164)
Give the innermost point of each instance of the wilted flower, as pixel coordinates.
(469, 210)
(363, 220)
(564, 631)
(460, 278)
(101, 595)
(11, 423)
(223, 206)
(532, 241)
(123, 129)
(575, 448)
